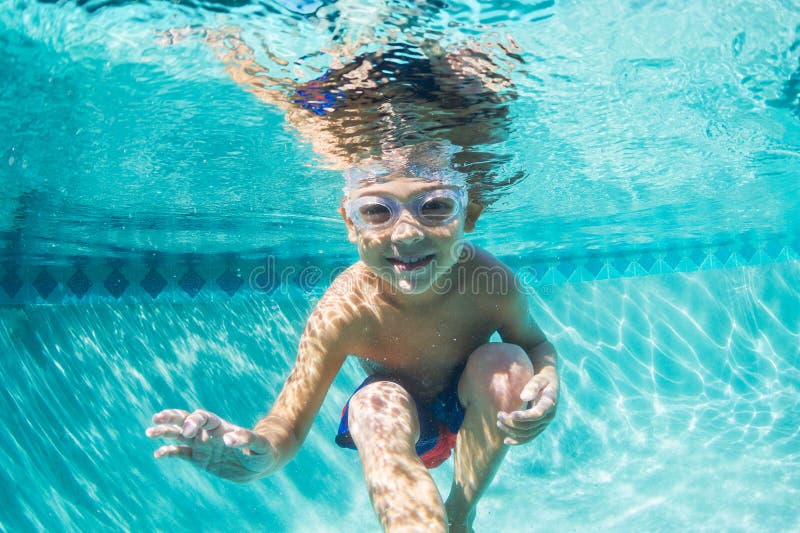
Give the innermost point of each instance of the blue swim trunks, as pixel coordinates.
(439, 422)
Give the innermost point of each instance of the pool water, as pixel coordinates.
(164, 236)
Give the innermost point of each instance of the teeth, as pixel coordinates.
(410, 259)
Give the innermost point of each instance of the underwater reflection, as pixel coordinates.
(399, 95)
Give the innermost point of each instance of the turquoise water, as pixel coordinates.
(164, 236)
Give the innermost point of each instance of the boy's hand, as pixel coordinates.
(523, 426)
(213, 444)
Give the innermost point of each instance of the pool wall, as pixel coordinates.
(678, 409)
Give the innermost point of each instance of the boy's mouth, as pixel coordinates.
(407, 263)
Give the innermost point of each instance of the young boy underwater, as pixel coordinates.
(417, 310)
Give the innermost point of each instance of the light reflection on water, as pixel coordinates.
(675, 130)
(679, 409)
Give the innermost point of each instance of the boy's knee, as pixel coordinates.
(382, 407)
(496, 372)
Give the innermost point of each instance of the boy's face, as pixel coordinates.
(409, 250)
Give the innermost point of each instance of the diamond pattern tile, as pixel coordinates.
(11, 283)
(646, 261)
(230, 281)
(553, 276)
(44, 283)
(566, 268)
(618, 266)
(153, 283)
(594, 265)
(697, 258)
(191, 282)
(760, 258)
(724, 253)
(79, 283)
(116, 283)
(787, 254)
(81, 278)
(581, 275)
(673, 259)
(661, 267)
(747, 251)
(634, 269)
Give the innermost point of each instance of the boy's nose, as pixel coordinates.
(406, 232)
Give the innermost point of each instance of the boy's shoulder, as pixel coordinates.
(480, 269)
(490, 283)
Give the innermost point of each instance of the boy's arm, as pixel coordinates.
(242, 454)
(320, 356)
(518, 327)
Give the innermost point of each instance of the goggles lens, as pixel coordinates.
(375, 214)
(433, 208)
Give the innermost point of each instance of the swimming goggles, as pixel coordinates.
(437, 207)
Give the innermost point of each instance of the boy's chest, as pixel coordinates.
(423, 343)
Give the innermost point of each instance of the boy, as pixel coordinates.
(418, 310)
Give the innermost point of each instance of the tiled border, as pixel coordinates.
(189, 278)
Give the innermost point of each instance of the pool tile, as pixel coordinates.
(634, 269)
(594, 265)
(606, 272)
(647, 261)
(661, 267)
(153, 283)
(735, 260)
(79, 283)
(618, 266)
(723, 253)
(698, 257)
(191, 282)
(711, 260)
(673, 259)
(787, 254)
(760, 258)
(580, 275)
(116, 283)
(230, 282)
(686, 264)
(44, 283)
(747, 251)
(552, 277)
(11, 283)
(566, 268)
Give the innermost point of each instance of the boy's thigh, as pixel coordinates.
(383, 406)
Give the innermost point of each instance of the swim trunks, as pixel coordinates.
(439, 422)
(315, 97)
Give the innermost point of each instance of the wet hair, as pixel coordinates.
(398, 97)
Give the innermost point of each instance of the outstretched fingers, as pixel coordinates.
(185, 428)
(170, 416)
(166, 431)
(247, 439)
(172, 450)
(204, 420)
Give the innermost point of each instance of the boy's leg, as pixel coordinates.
(492, 381)
(384, 425)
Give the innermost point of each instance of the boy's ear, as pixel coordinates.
(351, 229)
(473, 212)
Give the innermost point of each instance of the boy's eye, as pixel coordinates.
(436, 209)
(374, 213)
